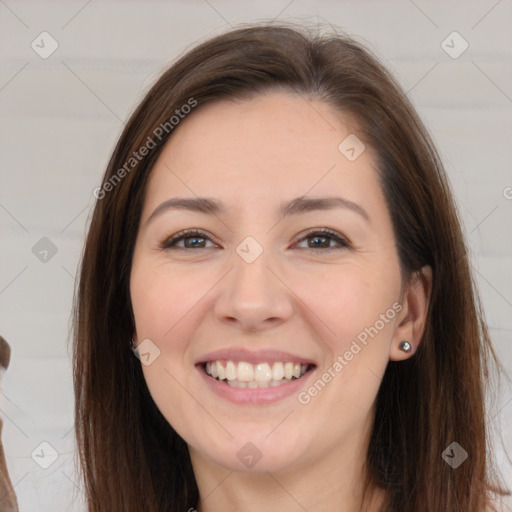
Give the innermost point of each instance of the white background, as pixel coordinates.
(59, 120)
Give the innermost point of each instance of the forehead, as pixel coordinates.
(273, 123)
(270, 145)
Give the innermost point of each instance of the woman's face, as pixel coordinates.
(229, 317)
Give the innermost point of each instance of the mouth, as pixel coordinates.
(242, 374)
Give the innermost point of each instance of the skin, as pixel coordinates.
(252, 155)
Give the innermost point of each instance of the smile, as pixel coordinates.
(242, 374)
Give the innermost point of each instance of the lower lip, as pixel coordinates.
(254, 395)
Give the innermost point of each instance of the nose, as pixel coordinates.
(253, 296)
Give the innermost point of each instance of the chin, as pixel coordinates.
(260, 455)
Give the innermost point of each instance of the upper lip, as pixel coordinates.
(253, 356)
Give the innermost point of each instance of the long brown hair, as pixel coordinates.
(131, 458)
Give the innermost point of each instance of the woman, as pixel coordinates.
(276, 241)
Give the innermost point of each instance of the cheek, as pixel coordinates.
(363, 311)
(163, 304)
(162, 299)
(350, 299)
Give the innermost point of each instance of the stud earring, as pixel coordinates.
(405, 346)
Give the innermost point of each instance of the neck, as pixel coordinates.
(272, 492)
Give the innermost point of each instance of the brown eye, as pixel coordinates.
(321, 239)
(193, 239)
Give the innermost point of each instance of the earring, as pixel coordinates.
(131, 344)
(405, 346)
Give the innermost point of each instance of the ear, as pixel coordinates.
(412, 318)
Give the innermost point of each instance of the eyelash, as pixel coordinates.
(169, 243)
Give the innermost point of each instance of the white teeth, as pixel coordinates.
(230, 370)
(288, 370)
(236, 384)
(220, 370)
(262, 372)
(252, 384)
(245, 371)
(261, 375)
(278, 371)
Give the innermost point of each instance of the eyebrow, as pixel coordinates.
(296, 206)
